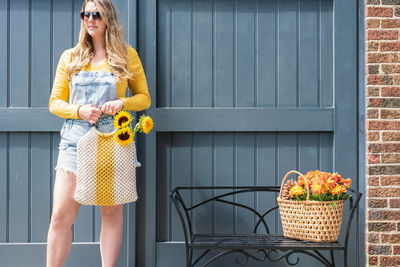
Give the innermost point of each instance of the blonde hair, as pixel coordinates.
(116, 47)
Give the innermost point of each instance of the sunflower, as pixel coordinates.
(147, 124)
(122, 119)
(124, 136)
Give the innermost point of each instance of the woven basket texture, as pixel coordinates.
(316, 221)
(106, 173)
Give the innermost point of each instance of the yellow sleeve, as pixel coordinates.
(58, 104)
(140, 99)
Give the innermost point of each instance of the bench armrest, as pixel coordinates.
(352, 208)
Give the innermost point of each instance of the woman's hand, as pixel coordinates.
(89, 113)
(112, 107)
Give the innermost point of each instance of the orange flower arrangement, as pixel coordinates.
(323, 186)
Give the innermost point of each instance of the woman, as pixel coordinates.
(94, 76)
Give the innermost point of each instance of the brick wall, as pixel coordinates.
(383, 125)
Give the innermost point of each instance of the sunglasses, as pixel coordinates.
(86, 15)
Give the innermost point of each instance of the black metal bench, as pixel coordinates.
(266, 245)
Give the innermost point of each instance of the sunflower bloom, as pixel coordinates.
(296, 190)
(147, 124)
(124, 136)
(122, 119)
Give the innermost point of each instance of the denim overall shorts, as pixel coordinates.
(86, 88)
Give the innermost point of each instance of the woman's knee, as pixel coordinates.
(61, 219)
(111, 213)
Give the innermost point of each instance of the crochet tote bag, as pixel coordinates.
(106, 173)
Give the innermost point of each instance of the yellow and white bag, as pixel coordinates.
(106, 173)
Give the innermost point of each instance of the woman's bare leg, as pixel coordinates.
(65, 210)
(111, 234)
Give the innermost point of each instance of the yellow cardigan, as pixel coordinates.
(140, 99)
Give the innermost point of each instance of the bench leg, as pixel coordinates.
(345, 258)
(188, 257)
(333, 258)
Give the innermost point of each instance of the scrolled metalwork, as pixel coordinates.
(248, 255)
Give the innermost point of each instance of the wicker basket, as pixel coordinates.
(309, 220)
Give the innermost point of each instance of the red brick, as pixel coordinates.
(373, 237)
(373, 23)
(390, 158)
(390, 46)
(390, 238)
(373, 91)
(375, 102)
(372, 114)
(390, 114)
(381, 226)
(374, 159)
(383, 148)
(382, 58)
(390, 91)
(394, 203)
(373, 260)
(373, 181)
(390, 68)
(377, 203)
(390, 180)
(374, 79)
(383, 125)
(389, 261)
(396, 250)
(384, 215)
(379, 250)
(379, 12)
(384, 192)
(373, 69)
(373, 136)
(372, 46)
(382, 34)
(389, 23)
(396, 79)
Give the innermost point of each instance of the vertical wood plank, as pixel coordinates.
(181, 175)
(164, 204)
(245, 53)
(202, 53)
(224, 165)
(18, 209)
(19, 53)
(224, 61)
(40, 71)
(308, 152)
(266, 53)
(287, 42)
(308, 54)
(4, 42)
(326, 53)
(164, 52)
(3, 187)
(266, 173)
(40, 186)
(62, 29)
(181, 53)
(202, 176)
(245, 176)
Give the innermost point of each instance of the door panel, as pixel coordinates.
(225, 65)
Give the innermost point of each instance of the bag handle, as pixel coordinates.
(305, 180)
(94, 128)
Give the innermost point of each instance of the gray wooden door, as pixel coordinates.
(243, 91)
(33, 34)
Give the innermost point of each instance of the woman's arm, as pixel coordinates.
(140, 99)
(58, 104)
